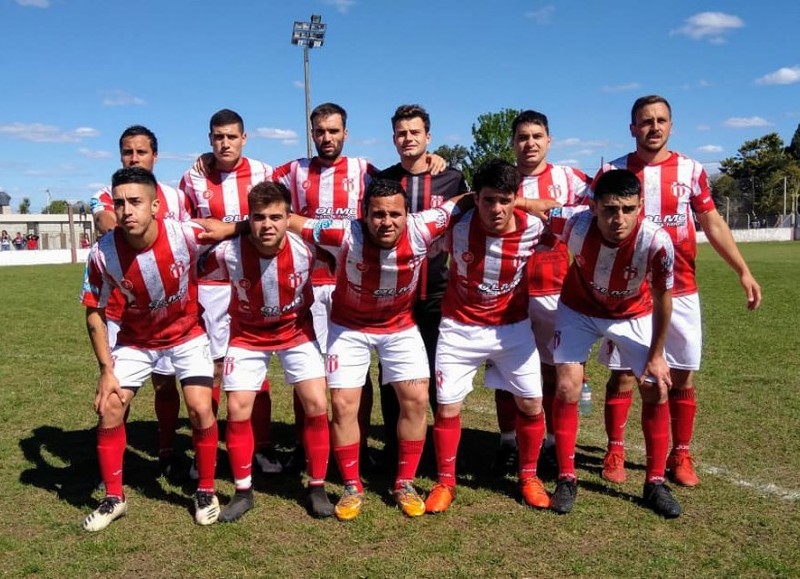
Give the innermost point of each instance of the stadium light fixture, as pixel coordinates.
(308, 35)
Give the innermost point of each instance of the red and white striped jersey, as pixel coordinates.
(488, 279)
(375, 287)
(549, 263)
(223, 195)
(611, 281)
(270, 297)
(158, 284)
(672, 191)
(322, 191)
(172, 203)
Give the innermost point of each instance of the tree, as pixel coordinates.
(491, 138)
(24, 206)
(455, 155)
(56, 207)
(793, 150)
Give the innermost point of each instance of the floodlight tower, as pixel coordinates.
(308, 35)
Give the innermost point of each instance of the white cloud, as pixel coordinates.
(34, 3)
(621, 87)
(298, 84)
(711, 26)
(541, 15)
(277, 134)
(182, 157)
(118, 98)
(783, 75)
(746, 122)
(576, 142)
(710, 149)
(342, 6)
(569, 163)
(703, 127)
(41, 133)
(90, 154)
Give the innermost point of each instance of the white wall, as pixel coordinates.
(762, 234)
(41, 256)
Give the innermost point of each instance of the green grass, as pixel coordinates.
(741, 521)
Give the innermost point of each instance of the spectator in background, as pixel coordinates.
(5, 241)
(32, 241)
(19, 241)
(86, 241)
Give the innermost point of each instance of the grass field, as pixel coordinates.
(743, 520)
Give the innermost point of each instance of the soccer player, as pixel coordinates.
(617, 287)
(378, 262)
(530, 138)
(152, 263)
(485, 318)
(138, 147)
(269, 272)
(675, 190)
(221, 192)
(411, 132)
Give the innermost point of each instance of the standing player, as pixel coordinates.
(138, 147)
(328, 186)
(675, 190)
(269, 272)
(378, 261)
(411, 128)
(221, 192)
(152, 263)
(618, 287)
(485, 317)
(530, 138)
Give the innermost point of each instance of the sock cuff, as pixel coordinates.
(682, 394)
(450, 422)
(620, 395)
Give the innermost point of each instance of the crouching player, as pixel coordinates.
(270, 313)
(153, 264)
(485, 318)
(618, 287)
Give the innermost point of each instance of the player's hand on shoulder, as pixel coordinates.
(204, 164)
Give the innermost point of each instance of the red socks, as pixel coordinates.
(506, 410)
(347, 460)
(239, 443)
(682, 409)
(167, 405)
(446, 436)
(205, 442)
(530, 432)
(111, 444)
(261, 418)
(408, 461)
(565, 425)
(317, 443)
(617, 408)
(655, 425)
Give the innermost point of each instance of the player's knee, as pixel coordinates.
(529, 406)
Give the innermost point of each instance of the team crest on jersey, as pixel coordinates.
(295, 280)
(467, 257)
(126, 284)
(228, 365)
(436, 200)
(439, 378)
(554, 191)
(177, 269)
(245, 284)
(332, 363)
(348, 184)
(678, 189)
(630, 272)
(305, 185)
(362, 267)
(207, 194)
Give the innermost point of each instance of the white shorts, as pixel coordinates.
(512, 362)
(244, 369)
(321, 313)
(542, 312)
(192, 359)
(215, 300)
(576, 333)
(402, 356)
(684, 345)
(163, 366)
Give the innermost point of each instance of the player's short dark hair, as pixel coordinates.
(138, 175)
(407, 112)
(529, 117)
(497, 174)
(328, 109)
(139, 131)
(383, 188)
(267, 193)
(651, 99)
(225, 117)
(617, 183)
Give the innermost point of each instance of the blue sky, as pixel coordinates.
(75, 73)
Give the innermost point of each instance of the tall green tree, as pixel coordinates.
(24, 206)
(491, 137)
(56, 206)
(793, 150)
(455, 155)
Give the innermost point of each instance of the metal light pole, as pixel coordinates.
(308, 35)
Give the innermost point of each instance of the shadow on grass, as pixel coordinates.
(65, 463)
